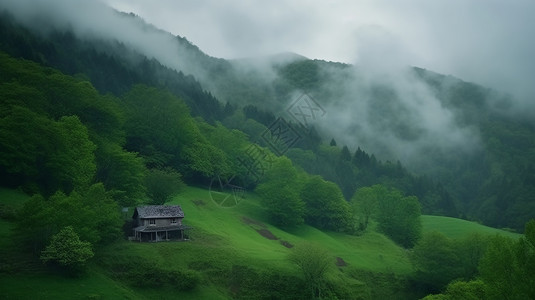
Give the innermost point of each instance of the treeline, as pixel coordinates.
(493, 184)
(476, 267)
(104, 64)
(109, 65)
(83, 155)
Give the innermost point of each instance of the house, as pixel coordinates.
(155, 223)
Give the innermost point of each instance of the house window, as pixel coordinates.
(152, 221)
(173, 221)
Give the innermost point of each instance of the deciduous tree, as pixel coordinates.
(279, 192)
(67, 250)
(314, 262)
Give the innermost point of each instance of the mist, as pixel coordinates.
(95, 21)
(489, 42)
(378, 105)
(382, 107)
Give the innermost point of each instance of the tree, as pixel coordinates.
(92, 213)
(75, 160)
(399, 217)
(498, 268)
(314, 263)
(435, 261)
(279, 192)
(470, 250)
(471, 290)
(122, 173)
(162, 184)
(364, 203)
(326, 207)
(49, 154)
(508, 266)
(345, 155)
(158, 125)
(67, 250)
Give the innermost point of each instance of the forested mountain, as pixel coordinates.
(98, 119)
(476, 161)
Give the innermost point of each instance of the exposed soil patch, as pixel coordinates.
(267, 234)
(286, 244)
(198, 202)
(340, 262)
(250, 221)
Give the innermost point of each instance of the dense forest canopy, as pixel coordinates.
(481, 169)
(91, 124)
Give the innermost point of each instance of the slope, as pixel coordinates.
(458, 228)
(225, 243)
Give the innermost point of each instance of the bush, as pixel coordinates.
(183, 280)
(139, 272)
(7, 212)
(67, 251)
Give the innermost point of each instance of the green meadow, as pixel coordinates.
(458, 228)
(222, 238)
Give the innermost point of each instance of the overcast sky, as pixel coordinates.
(487, 41)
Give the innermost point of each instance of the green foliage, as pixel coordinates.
(472, 290)
(122, 173)
(325, 207)
(470, 250)
(205, 159)
(508, 267)
(279, 193)
(364, 205)
(398, 216)
(67, 250)
(247, 283)
(499, 268)
(436, 261)
(314, 263)
(76, 157)
(158, 125)
(37, 150)
(162, 185)
(143, 273)
(93, 215)
(160, 128)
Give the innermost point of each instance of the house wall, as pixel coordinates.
(160, 222)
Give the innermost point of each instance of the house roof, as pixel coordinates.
(159, 211)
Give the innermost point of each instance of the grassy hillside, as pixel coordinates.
(224, 242)
(239, 228)
(458, 228)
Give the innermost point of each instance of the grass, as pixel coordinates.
(222, 237)
(95, 285)
(371, 251)
(457, 228)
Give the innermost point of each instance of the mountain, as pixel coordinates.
(459, 140)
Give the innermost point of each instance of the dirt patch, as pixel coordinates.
(340, 262)
(286, 244)
(250, 221)
(267, 234)
(198, 202)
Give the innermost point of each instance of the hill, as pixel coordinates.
(481, 167)
(457, 228)
(225, 242)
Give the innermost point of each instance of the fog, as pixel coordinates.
(488, 42)
(96, 21)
